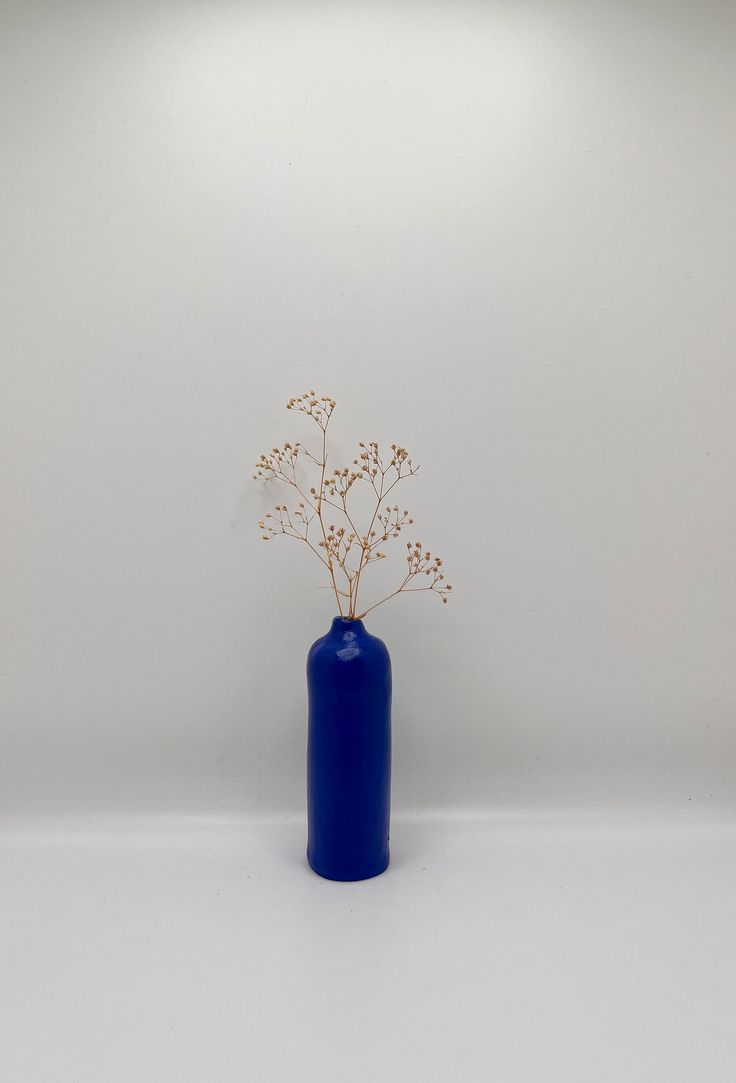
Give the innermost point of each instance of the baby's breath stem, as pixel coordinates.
(321, 520)
(364, 550)
(388, 597)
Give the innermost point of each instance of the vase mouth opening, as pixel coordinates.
(346, 621)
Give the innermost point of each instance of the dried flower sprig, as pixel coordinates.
(341, 546)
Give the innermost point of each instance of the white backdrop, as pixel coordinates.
(502, 235)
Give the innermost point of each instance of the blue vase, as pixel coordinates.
(348, 753)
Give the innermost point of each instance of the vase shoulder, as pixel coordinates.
(347, 641)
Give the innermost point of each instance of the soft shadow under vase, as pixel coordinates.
(348, 753)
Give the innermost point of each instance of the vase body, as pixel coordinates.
(348, 753)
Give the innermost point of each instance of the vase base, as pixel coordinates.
(347, 876)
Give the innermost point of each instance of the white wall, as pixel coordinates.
(501, 234)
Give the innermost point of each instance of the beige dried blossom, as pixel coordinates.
(342, 548)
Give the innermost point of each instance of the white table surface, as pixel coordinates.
(518, 948)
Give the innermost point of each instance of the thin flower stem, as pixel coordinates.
(393, 594)
(321, 520)
(381, 497)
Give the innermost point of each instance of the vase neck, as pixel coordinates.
(344, 626)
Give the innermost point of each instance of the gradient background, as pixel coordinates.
(503, 236)
(500, 234)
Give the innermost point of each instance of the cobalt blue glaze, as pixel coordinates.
(348, 753)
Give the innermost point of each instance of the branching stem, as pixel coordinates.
(338, 541)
